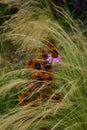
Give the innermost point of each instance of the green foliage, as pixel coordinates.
(28, 29)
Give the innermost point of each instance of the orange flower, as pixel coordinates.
(42, 54)
(48, 76)
(47, 66)
(40, 82)
(58, 97)
(36, 84)
(39, 65)
(46, 93)
(29, 64)
(42, 76)
(50, 43)
(38, 75)
(42, 65)
(48, 87)
(34, 64)
(44, 96)
(24, 98)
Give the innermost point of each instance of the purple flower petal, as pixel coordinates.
(49, 58)
(57, 60)
(52, 60)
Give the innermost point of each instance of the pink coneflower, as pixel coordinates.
(53, 60)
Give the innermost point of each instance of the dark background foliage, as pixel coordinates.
(6, 11)
(77, 8)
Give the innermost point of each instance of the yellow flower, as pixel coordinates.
(24, 98)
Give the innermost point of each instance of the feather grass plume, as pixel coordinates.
(28, 29)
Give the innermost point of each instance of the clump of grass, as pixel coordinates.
(28, 29)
